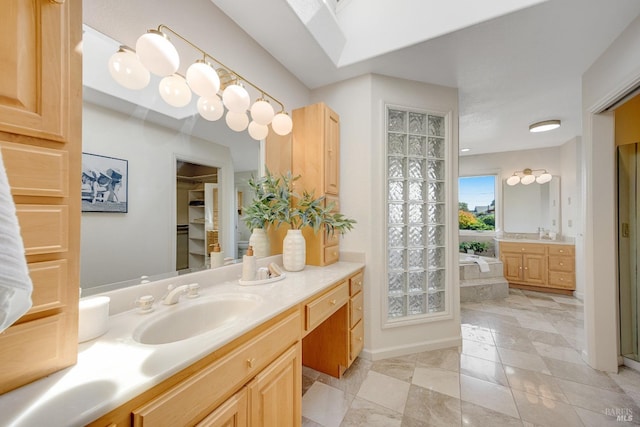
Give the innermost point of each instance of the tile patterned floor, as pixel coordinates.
(520, 365)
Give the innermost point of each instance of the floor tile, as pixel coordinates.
(479, 334)
(385, 391)
(534, 383)
(538, 325)
(396, 367)
(582, 374)
(447, 358)
(440, 380)
(483, 369)
(627, 379)
(481, 350)
(487, 395)
(351, 379)
(565, 354)
(551, 338)
(430, 408)
(477, 416)
(306, 422)
(596, 399)
(514, 342)
(325, 405)
(523, 360)
(545, 412)
(365, 413)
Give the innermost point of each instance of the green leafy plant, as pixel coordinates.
(276, 203)
(476, 247)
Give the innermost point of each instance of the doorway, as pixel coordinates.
(197, 214)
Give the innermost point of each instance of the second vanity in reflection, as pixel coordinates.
(539, 265)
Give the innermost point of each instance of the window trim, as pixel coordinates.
(497, 192)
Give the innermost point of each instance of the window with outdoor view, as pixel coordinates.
(477, 203)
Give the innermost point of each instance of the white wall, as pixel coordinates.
(611, 76)
(117, 247)
(360, 104)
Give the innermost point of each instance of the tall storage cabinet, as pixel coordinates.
(315, 156)
(40, 139)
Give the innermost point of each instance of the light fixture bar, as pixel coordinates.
(528, 176)
(230, 70)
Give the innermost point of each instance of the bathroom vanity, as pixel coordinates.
(246, 372)
(546, 266)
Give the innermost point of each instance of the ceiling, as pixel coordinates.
(512, 67)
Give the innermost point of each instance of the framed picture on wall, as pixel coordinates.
(104, 184)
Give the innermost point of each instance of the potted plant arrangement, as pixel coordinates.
(473, 247)
(277, 203)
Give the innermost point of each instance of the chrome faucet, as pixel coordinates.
(173, 296)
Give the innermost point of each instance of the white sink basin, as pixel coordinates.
(190, 318)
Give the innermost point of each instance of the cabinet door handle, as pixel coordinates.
(360, 283)
(333, 302)
(251, 362)
(359, 308)
(526, 268)
(360, 339)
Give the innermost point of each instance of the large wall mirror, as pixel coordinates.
(154, 138)
(526, 208)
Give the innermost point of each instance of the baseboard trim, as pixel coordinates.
(397, 351)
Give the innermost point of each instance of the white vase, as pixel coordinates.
(259, 242)
(294, 251)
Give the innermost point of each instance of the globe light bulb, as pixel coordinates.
(236, 98)
(527, 179)
(513, 180)
(210, 108)
(203, 79)
(282, 124)
(157, 53)
(127, 70)
(262, 112)
(237, 121)
(544, 178)
(175, 91)
(258, 131)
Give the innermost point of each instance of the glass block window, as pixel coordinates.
(416, 217)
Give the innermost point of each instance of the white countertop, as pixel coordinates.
(545, 241)
(113, 368)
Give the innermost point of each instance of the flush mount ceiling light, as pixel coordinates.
(155, 53)
(544, 126)
(528, 176)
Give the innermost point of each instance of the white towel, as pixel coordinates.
(484, 266)
(15, 283)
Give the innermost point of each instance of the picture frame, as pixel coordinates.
(104, 184)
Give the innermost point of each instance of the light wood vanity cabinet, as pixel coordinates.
(539, 266)
(40, 141)
(312, 150)
(256, 380)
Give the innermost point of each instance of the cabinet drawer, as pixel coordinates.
(562, 280)
(562, 263)
(562, 250)
(357, 340)
(355, 283)
(324, 306)
(525, 248)
(331, 254)
(355, 309)
(187, 401)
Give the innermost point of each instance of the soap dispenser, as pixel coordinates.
(216, 256)
(249, 266)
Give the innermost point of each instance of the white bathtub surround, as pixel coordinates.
(481, 278)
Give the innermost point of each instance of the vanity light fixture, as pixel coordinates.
(544, 126)
(156, 54)
(528, 176)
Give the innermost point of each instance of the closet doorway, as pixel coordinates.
(197, 214)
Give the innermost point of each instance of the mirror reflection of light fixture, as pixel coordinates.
(155, 53)
(528, 176)
(544, 126)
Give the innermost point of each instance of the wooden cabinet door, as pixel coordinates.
(35, 54)
(275, 394)
(40, 139)
(535, 269)
(331, 152)
(232, 413)
(512, 265)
